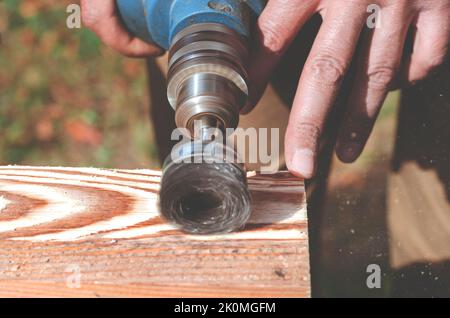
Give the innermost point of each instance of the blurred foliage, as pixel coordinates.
(66, 99)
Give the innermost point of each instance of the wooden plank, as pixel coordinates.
(89, 232)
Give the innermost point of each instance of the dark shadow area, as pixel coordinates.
(162, 114)
(424, 126)
(353, 235)
(422, 280)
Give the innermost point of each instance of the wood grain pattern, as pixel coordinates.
(103, 227)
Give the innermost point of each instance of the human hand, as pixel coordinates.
(101, 16)
(379, 65)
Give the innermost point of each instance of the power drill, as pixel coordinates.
(207, 86)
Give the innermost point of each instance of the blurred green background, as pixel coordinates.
(66, 99)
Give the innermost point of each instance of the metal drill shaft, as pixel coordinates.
(207, 75)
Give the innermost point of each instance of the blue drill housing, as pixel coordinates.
(158, 21)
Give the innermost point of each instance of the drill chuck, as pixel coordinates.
(207, 78)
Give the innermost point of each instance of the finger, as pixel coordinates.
(320, 81)
(101, 16)
(378, 67)
(277, 27)
(430, 45)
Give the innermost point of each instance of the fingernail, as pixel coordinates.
(303, 163)
(349, 151)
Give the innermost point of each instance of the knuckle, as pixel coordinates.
(272, 39)
(326, 70)
(381, 77)
(308, 134)
(310, 128)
